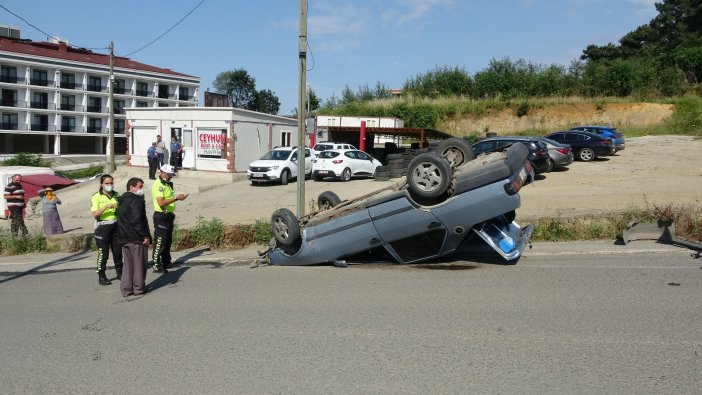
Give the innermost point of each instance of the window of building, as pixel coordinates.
(163, 104)
(40, 100)
(142, 104)
(68, 102)
(9, 121)
(163, 91)
(68, 81)
(94, 104)
(183, 93)
(119, 126)
(94, 84)
(68, 124)
(120, 86)
(94, 125)
(8, 74)
(142, 89)
(40, 78)
(40, 122)
(119, 106)
(9, 98)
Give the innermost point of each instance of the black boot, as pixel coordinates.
(102, 279)
(119, 274)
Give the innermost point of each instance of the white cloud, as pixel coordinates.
(409, 11)
(337, 27)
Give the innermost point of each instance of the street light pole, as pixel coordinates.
(111, 120)
(301, 130)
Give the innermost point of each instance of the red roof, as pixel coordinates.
(32, 183)
(65, 52)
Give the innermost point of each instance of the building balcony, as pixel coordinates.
(41, 82)
(12, 79)
(42, 127)
(72, 107)
(98, 130)
(96, 88)
(13, 103)
(68, 85)
(12, 126)
(98, 109)
(142, 93)
(42, 105)
(122, 91)
(72, 129)
(164, 95)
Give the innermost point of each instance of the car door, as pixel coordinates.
(410, 234)
(365, 163)
(308, 161)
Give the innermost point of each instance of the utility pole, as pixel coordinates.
(111, 120)
(301, 130)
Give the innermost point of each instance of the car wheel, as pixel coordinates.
(284, 177)
(551, 165)
(586, 154)
(316, 177)
(456, 151)
(327, 200)
(346, 174)
(429, 175)
(285, 228)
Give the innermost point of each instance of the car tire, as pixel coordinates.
(327, 200)
(550, 166)
(345, 175)
(456, 151)
(284, 177)
(316, 177)
(285, 227)
(429, 175)
(586, 154)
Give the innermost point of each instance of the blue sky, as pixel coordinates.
(352, 42)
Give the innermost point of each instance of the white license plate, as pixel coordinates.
(257, 175)
(322, 172)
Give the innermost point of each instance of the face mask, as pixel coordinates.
(108, 188)
(139, 192)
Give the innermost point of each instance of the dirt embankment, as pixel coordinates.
(560, 116)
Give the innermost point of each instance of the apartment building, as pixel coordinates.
(55, 99)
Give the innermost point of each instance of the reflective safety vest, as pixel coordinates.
(163, 189)
(99, 200)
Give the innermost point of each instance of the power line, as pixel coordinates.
(43, 32)
(166, 32)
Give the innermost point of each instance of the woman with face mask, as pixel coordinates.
(103, 206)
(49, 210)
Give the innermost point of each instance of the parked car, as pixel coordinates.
(326, 145)
(538, 153)
(432, 213)
(606, 131)
(278, 165)
(560, 155)
(344, 164)
(586, 146)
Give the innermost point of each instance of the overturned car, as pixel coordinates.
(447, 196)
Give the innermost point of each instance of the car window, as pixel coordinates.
(362, 155)
(503, 143)
(328, 154)
(571, 136)
(350, 154)
(294, 156)
(582, 137)
(483, 146)
(307, 153)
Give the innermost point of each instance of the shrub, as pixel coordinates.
(209, 233)
(26, 159)
(35, 241)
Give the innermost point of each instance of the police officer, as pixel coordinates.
(153, 161)
(164, 204)
(103, 205)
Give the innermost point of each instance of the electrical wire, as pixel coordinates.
(43, 32)
(166, 32)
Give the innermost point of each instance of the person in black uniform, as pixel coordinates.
(103, 205)
(164, 205)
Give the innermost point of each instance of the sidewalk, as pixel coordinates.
(87, 260)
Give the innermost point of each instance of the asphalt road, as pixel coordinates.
(608, 321)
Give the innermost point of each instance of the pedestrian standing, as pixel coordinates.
(164, 205)
(134, 237)
(153, 161)
(160, 150)
(175, 153)
(103, 206)
(14, 195)
(49, 211)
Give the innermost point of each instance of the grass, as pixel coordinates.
(35, 241)
(82, 173)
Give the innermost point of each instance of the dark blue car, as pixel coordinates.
(605, 131)
(586, 146)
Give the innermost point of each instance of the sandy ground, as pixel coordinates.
(656, 170)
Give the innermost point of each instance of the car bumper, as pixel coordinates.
(325, 173)
(261, 177)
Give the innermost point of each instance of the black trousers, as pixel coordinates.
(174, 160)
(106, 240)
(153, 165)
(17, 225)
(163, 237)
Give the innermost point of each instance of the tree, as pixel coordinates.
(266, 101)
(238, 85)
(312, 99)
